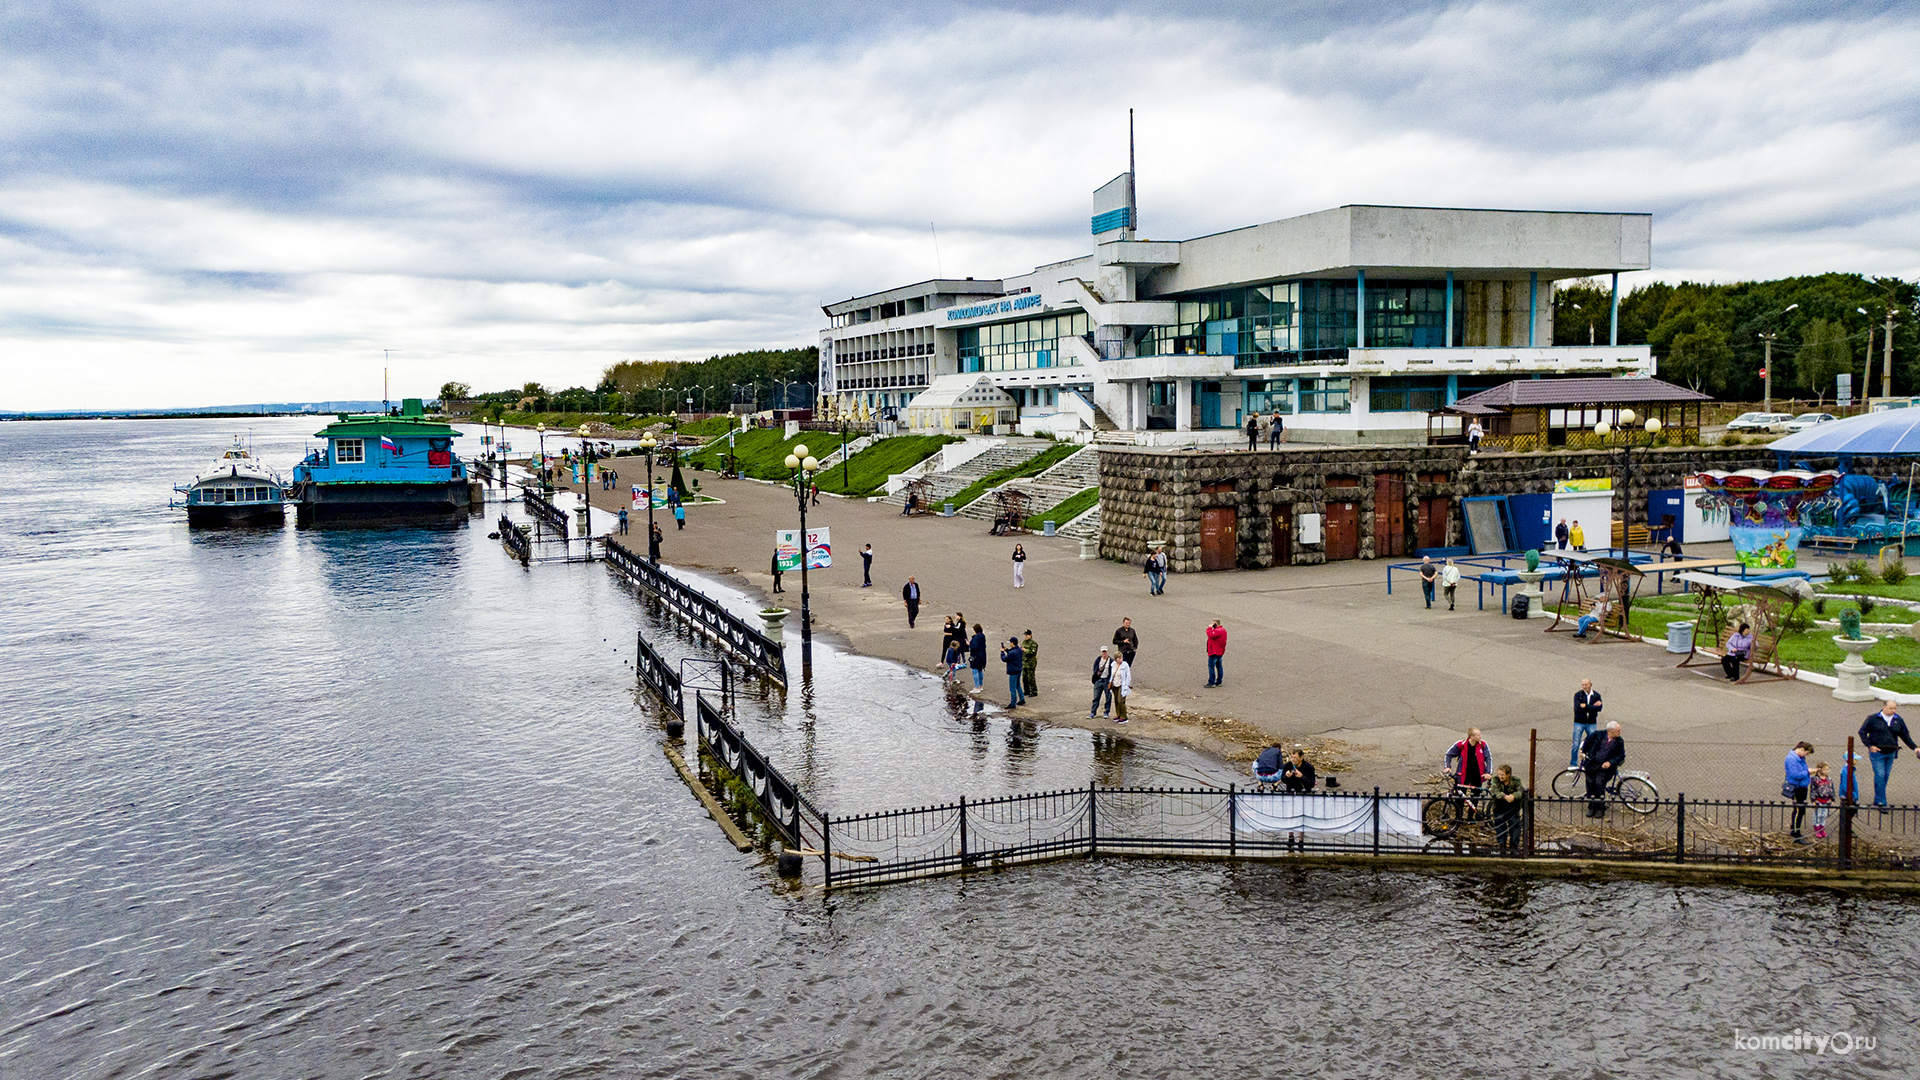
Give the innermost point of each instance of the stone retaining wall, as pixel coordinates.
(1149, 495)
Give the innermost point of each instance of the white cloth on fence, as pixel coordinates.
(1260, 811)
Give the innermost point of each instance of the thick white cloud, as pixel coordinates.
(226, 203)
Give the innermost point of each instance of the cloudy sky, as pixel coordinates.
(249, 200)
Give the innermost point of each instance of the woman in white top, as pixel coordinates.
(1449, 579)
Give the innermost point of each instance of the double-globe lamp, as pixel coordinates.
(804, 465)
(647, 443)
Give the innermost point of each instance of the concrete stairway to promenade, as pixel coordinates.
(945, 485)
(1079, 471)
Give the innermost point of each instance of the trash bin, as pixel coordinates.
(1046, 528)
(948, 512)
(1679, 637)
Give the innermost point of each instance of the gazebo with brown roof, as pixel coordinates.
(1542, 414)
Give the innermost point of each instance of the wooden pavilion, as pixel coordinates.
(1550, 414)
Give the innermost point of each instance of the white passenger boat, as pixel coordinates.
(236, 489)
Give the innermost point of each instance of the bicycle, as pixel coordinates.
(1633, 790)
(1446, 816)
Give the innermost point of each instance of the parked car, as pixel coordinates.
(1804, 421)
(1758, 421)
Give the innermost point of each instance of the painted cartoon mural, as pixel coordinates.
(1764, 511)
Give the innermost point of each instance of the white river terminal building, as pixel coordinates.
(1353, 323)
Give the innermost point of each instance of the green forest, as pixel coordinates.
(1709, 336)
(764, 378)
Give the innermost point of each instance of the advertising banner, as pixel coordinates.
(786, 542)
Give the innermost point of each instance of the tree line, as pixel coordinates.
(761, 379)
(1710, 336)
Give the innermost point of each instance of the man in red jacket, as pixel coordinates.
(1216, 649)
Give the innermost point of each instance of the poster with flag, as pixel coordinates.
(786, 544)
(387, 444)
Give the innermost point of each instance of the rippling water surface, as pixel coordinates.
(381, 803)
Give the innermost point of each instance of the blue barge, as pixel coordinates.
(383, 467)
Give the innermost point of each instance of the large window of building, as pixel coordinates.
(1308, 322)
(1018, 346)
(1325, 395)
(1270, 395)
(1420, 393)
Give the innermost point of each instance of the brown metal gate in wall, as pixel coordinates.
(1432, 524)
(1219, 532)
(1343, 531)
(1283, 536)
(1389, 515)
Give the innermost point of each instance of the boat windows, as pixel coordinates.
(349, 451)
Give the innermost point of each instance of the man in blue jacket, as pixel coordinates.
(1883, 732)
(1601, 757)
(1015, 659)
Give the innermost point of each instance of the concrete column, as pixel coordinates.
(1533, 306)
(1138, 394)
(1183, 404)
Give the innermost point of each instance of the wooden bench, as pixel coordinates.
(1760, 659)
(1614, 619)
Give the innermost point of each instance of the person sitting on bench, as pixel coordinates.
(1593, 618)
(1739, 647)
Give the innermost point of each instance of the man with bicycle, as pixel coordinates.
(1470, 761)
(1601, 757)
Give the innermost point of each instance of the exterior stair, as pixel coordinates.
(944, 485)
(1078, 472)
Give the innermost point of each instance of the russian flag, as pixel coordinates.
(387, 444)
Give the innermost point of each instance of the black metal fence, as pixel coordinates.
(549, 515)
(799, 823)
(516, 541)
(704, 612)
(658, 676)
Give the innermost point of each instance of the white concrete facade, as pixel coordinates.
(1351, 322)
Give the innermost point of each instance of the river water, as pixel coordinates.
(381, 803)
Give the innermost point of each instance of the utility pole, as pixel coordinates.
(1886, 372)
(1766, 372)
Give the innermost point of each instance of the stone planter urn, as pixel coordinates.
(1530, 588)
(1089, 547)
(771, 620)
(1855, 674)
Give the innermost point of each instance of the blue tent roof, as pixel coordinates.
(1890, 432)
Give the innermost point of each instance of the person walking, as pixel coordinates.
(1601, 758)
(623, 521)
(653, 543)
(1102, 687)
(1509, 798)
(1019, 566)
(1883, 732)
(1560, 534)
(1253, 432)
(1798, 783)
(910, 595)
(1030, 668)
(1474, 434)
(1120, 678)
(1449, 581)
(977, 656)
(1156, 571)
(1216, 653)
(866, 567)
(1275, 427)
(816, 494)
(1015, 660)
(1429, 576)
(1126, 641)
(1586, 716)
(777, 571)
(679, 516)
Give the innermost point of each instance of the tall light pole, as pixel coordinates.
(546, 488)
(1604, 429)
(1866, 383)
(1766, 365)
(1886, 373)
(803, 466)
(586, 484)
(647, 443)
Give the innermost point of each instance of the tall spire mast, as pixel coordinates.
(1133, 202)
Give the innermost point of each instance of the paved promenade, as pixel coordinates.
(1318, 652)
